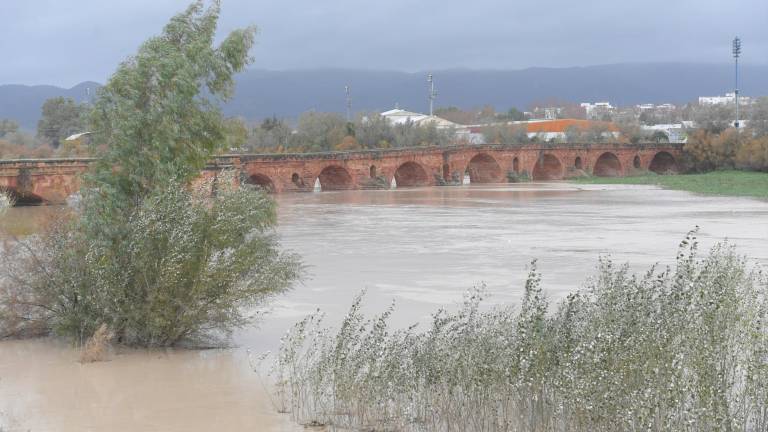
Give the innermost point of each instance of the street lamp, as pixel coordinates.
(736, 54)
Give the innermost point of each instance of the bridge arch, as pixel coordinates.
(335, 177)
(607, 165)
(548, 167)
(516, 165)
(483, 168)
(663, 163)
(636, 162)
(577, 163)
(263, 181)
(410, 174)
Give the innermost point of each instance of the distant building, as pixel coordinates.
(652, 107)
(676, 132)
(552, 130)
(729, 98)
(597, 109)
(401, 116)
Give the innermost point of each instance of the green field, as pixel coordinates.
(731, 183)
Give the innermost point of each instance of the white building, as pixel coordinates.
(594, 110)
(399, 116)
(729, 98)
(661, 107)
(675, 132)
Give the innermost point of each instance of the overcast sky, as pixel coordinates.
(66, 42)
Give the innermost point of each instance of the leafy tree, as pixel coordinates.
(374, 131)
(152, 254)
(710, 150)
(320, 131)
(7, 127)
(273, 135)
(505, 134)
(235, 134)
(714, 118)
(513, 114)
(158, 115)
(61, 117)
(758, 120)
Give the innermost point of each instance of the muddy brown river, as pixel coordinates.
(421, 247)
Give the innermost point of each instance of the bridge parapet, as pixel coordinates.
(52, 180)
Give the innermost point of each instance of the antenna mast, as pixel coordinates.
(432, 94)
(349, 103)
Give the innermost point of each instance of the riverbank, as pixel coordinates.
(728, 183)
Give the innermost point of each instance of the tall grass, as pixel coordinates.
(6, 201)
(681, 348)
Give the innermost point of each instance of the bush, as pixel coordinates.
(185, 267)
(683, 348)
(753, 154)
(6, 201)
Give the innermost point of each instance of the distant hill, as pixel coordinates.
(262, 93)
(23, 103)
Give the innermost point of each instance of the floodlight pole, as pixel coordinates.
(349, 103)
(736, 54)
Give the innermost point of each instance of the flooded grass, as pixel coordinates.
(730, 182)
(681, 348)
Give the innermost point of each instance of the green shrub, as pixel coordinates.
(681, 348)
(187, 267)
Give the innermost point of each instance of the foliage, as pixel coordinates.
(321, 132)
(758, 118)
(505, 134)
(732, 183)
(10, 150)
(60, 118)
(8, 126)
(753, 154)
(681, 348)
(157, 116)
(714, 118)
(155, 259)
(710, 150)
(6, 201)
(187, 268)
(747, 149)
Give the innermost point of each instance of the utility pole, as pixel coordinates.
(349, 103)
(432, 94)
(736, 54)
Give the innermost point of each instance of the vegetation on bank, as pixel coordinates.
(151, 254)
(725, 182)
(682, 348)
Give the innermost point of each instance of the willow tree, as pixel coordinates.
(154, 258)
(158, 116)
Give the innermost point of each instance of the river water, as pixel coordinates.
(421, 248)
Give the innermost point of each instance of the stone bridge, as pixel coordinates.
(52, 180)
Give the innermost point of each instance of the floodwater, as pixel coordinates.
(421, 248)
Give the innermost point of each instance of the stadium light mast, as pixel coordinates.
(432, 94)
(349, 103)
(736, 54)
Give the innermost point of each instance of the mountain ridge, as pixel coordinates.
(261, 93)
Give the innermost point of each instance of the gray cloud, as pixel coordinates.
(62, 43)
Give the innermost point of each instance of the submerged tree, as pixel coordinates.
(151, 253)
